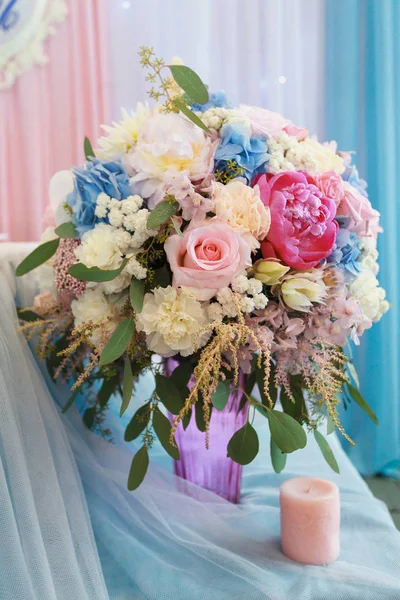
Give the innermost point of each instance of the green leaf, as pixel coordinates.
(176, 227)
(128, 386)
(250, 383)
(221, 395)
(118, 343)
(136, 294)
(360, 400)
(37, 257)
(296, 409)
(190, 82)
(181, 377)
(163, 211)
(287, 433)
(138, 423)
(186, 419)
(139, 466)
(330, 428)
(190, 115)
(169, 394)
(162, 277)
(88, 417)
(107, 389)
(84, 273)
(70, 401)
(243, 446)
(24, 314)
(66, 230)
(326, 451)
(199, 414)
(162, 428)
(278, 458)
(87, 147)
(353, 373)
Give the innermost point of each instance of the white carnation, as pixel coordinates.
(370, 296)
(215, 312)
(99, 248)
(93, 306)
(172, 321)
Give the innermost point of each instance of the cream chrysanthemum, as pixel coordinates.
(370, 296)
(241, 207)
(172, 320)
(122, 135)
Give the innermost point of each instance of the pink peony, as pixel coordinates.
(331, 185)
(208, 257)
(303, 230)
(363, 219)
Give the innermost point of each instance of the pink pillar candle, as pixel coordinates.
(310, 520)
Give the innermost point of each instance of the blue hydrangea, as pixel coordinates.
(217, 100)
(352, 177)
(98, 176)
(347, 253)
(238, 147)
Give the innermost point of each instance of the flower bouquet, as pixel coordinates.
(227, 241)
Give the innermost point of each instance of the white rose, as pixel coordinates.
(172, 320)
(242, 208)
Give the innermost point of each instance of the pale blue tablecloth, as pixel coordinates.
(156, 543)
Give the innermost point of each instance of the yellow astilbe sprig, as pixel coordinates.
(227, 339)
(47, 330)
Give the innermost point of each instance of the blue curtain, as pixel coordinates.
(363, 114)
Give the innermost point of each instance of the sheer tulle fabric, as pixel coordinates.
(156, 543)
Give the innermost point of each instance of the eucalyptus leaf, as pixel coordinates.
(221, 395)
(326, 451)
(37, 257)
(118, 343)
(139, 466)
(87, 148)
(244, 445)
(138, 423)
(190, 82)
(330, 427)
(84, 273)
(191, 115)
(89, 416)
(278, 458)
(286, 432)
(107, 389)
(186, 419)
(169, 394)
(360, 400)
(128, 386)
(136, 294)
(27, 315)
(296, 409)
(161, 213)
(250, 383)
(199, 415)
(162, 429)
(181, 377)
(66, 230)
(353, 373)
(70, 401)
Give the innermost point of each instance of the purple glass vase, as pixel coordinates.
(211, 469)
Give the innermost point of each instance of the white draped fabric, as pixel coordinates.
(264, 52)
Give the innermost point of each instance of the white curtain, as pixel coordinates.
(264, 52)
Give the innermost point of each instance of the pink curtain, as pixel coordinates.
(46, 114)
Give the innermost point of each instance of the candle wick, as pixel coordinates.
(309, 490)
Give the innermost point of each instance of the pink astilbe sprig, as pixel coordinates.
(65, 258)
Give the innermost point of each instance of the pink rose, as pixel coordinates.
(208, 257)
(263, 121)
(331, 185)
(303, 230)
(297, 132)
(363, 219)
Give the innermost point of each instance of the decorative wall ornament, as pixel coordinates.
(24, 26)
